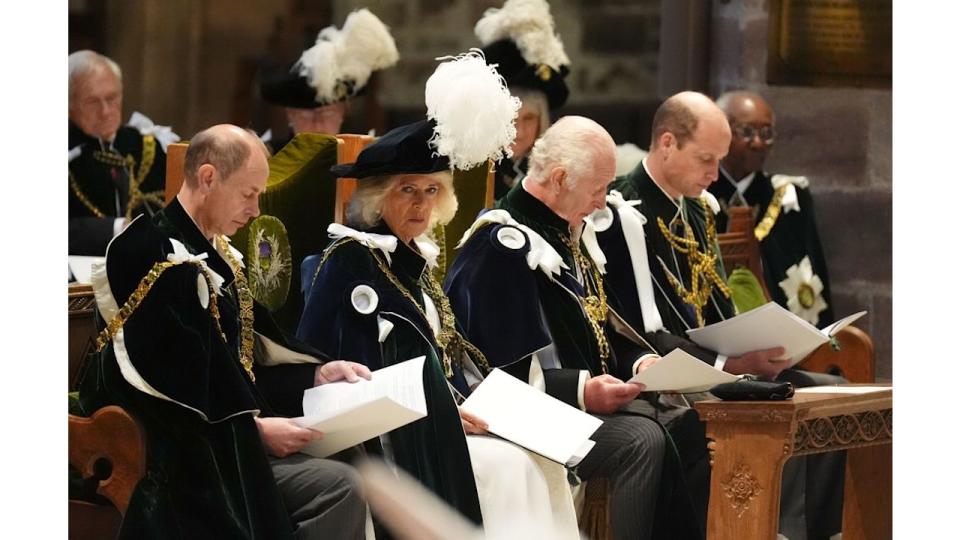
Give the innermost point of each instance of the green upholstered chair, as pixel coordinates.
(295, 209)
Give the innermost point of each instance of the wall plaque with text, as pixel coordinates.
(830, 43)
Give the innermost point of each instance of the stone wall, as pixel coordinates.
(841, 138)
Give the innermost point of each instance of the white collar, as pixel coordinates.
(744, 183)
(676, 202)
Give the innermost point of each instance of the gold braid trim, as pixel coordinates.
(703, 264)
(770, 216)
(136, 298)
(595, 303)
(245, 299)
(75, 187)
(326, 255)
(147, 157)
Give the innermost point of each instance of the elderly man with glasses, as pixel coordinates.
(795, 270)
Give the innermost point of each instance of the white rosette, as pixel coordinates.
(473, 111)
(364, 299)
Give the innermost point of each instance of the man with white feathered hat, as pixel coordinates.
(520, 40)
(315, 91)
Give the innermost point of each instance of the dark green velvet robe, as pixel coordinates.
(207, 471)
(432, 449)
(499, 302)
(677, 316)
(793, 236)
(510, 311)
(106, 186)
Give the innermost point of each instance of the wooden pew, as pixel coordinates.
(109, 446)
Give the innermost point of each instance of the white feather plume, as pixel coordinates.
(473, 110)
(529, 24)
(363, 46)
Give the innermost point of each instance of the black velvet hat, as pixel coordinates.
(282, 86)
(336, 67)
(402, 150)
(518, 73)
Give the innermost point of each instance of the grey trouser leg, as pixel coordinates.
(689, 436)
(629, 452)
(816, 486)
(321, 496)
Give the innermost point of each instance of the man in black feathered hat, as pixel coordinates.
(520, 40)
(315, 90)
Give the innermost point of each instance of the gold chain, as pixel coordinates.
(770, 216)
(83, 197)
(137, 197)
(440, 233)
(133, 302)
(594, 303)
(452, 344)
(245, 299)
(703, 264)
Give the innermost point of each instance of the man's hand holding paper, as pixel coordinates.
(604, 394)
(765, 363)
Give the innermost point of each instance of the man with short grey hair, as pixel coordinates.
(202, 366)
(528, 290)
(115, 172)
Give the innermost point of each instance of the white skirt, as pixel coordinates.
(522, 494)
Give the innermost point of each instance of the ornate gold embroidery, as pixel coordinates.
(703, 264)
(245, 299)
(770, 216)
(133, 302)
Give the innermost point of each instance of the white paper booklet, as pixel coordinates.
(765, 327)
(681, 372)
(350, 413)
(532, 419)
